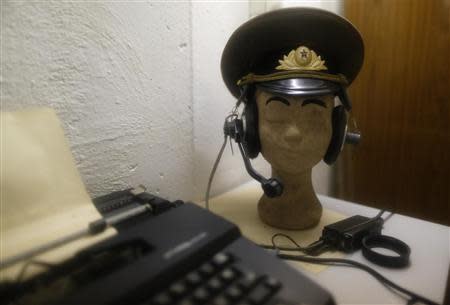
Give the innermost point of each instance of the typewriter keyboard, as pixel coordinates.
(219, 282)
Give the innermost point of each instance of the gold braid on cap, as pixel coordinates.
(300, 63)
(302, 59)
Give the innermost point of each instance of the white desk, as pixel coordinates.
(429, 242)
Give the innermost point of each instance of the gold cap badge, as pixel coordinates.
(303, 59)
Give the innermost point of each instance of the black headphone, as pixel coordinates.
(244, 131)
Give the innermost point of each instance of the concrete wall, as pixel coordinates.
(119, 76)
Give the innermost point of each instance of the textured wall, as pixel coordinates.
(119, 76)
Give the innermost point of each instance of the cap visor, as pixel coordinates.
(300, 86)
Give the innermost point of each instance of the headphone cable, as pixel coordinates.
(234, 113)
(213, 171)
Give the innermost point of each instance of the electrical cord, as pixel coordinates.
(213, 172)
(233, 115)
(389, 216)
(380, 213)
(350, 263)
(296, 248)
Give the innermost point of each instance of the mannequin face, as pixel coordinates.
(294, 131)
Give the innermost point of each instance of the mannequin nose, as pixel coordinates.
(293, 134)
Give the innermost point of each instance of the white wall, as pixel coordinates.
(119, 76)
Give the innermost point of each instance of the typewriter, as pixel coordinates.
(179, 253)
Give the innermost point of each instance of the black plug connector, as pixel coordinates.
(346, 235)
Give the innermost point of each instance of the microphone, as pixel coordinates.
(272, 187)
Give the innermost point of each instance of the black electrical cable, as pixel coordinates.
(388, 217)
(350, 263)
(233, 115)
(380, 213)
(296, 248)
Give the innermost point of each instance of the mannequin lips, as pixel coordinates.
(292, 150)
(297, 152)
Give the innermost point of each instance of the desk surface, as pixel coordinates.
(429, 242)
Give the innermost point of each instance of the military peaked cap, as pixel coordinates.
(300, 51)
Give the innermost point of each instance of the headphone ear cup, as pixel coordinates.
(339, 125)
(250, 142)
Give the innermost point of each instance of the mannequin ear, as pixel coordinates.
(339, 126)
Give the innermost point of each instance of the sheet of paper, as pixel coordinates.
(240, 207)
(42, 195)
